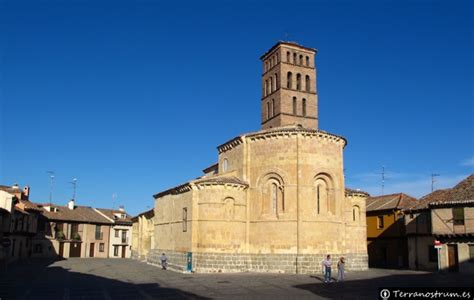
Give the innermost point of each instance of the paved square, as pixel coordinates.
(89, 278)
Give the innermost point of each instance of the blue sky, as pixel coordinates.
(132, 97)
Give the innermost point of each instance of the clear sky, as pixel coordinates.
(132, 97)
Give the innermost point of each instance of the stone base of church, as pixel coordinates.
(204, 262)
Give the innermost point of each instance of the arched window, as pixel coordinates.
(294, 58)
(274, 198)
(266, 88)
(307, 61)
(266, 65)
(289, 79)
(318, 198)
(301, 59)
(325, 197)
(271, 85)
(304, 107)
(268, 110)
(288, 56)
(298, 82)
(273, 107)
(277, 57)
(355, 213)
(229, 211)
(277, 83)
(294, 106)
(308, 84)
(225, 165)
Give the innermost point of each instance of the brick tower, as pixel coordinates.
(289, 91)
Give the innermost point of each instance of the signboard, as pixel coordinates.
(438, 246)
(189, 259)
(6, 242)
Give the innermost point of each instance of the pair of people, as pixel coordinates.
(327, 264)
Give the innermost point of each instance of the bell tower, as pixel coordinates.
(289, 91)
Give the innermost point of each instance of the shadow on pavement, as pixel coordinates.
(36, 279)
(369, 288)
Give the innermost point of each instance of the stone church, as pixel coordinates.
(276, 200)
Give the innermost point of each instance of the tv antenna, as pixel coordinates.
(74, 184)
(51, 186)
(114, 197)
(433, 180)
(383, 179)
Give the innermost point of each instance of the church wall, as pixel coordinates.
(169, 234)
(221, 222)
(235, 158)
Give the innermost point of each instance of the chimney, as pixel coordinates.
(15, 186)
(70, 204)
(26, 193)
(121, 208)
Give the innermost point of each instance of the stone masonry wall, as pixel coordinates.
(271, 263)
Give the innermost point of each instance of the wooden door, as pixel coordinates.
(75, 249)
(453, 258)
(91, 250)
(61, 249)
(124, 249)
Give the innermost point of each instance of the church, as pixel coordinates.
(275, 201)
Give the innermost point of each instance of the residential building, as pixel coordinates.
(72, 231)
(386, 235)
(120, 239)
(143, 234)
(451, 216)
(275, 201)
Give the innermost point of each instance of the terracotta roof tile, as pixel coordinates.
(110, 213)
(390, 202)
(84, 214)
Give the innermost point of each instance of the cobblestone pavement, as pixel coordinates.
(89, 278)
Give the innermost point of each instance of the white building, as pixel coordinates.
(120, 240)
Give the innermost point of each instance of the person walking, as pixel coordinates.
(340, 269)
(327, 263)
(164, 261)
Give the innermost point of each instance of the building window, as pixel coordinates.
(294, 58)
(116, 250)
(294, 106)
(272, 87)
(277, 83)
(274, 198)
(185, 219)
(268, 110)
(318, 199)
(304, 107)
(307, 60)
(98, 233)
(101, 247)
(379, 222)
(471, 252)
(298, 82)
(273, 107)
(117, 232)
(289, 80)
(355, 213)
(266, 88)
(458, 215)
(124, 237)
(277, 57)
(288, 56)
(432, 254)
(225, 165)
(308, 84)
(301, 59)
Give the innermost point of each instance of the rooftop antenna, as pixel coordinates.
(74, 183)
(51, 186)
(433, 180)
(383, 179)
(114, 197)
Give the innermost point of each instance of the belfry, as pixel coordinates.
(275, 201)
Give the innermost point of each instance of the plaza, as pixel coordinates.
(96, 278)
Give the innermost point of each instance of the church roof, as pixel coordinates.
(278, 130)
(214, 180)
(351, 192)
